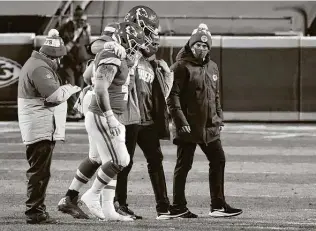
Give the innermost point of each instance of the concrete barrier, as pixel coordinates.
(15, 49)
(260, 78)
(308, 79)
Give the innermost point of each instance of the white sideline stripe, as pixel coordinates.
(270, 127)
(261, 116)
(308, 116)
(260, 42)
(283, 136)
(172, 149)
(236, 189)
(198, 166)
(180, 41)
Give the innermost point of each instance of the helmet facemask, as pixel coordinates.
(133, 53)
(149, 32)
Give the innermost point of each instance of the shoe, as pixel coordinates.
(111, 215)
(182, 213)
(92, 201)
(225, 211)
(164, 216)
(65, 205)
(124, 210)
(41, 219)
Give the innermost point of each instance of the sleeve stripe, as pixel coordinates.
(110, 60)
(109, 29)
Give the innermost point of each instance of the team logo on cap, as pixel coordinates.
(204, 38)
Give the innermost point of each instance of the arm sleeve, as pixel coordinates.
(168, 82)
(173, 101)
(107, 58)
(98, 44)
(219, 110)
(44, 81)
(88, 73)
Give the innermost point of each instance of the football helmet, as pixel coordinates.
(147, 19)
(131, 37)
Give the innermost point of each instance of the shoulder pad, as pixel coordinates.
(107, 57)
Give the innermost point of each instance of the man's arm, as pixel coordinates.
(104, 76)
(219, 110)
(173, 101)
(168, 77)
(88, 73)
(106, 42)
(49, 88)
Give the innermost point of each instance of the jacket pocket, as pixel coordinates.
(213, 131)
(216, 120)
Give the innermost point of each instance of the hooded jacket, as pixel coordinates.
(194, 99)
(37, 120)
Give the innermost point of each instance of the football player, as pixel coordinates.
(103, 121)
(154, 81)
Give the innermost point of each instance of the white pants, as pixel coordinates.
(103, 146)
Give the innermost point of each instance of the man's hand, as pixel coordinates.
(77, 34)
(113, 123)
(185, 129)
(118, 49)
(75, 89)
(162, 64)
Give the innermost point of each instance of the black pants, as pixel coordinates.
(216, 157)
(39, 157)
(147, 139)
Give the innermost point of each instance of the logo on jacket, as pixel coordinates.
(9, 72)
(215, 77)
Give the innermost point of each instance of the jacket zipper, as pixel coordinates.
(207, 112)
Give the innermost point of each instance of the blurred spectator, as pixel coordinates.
(76, 33)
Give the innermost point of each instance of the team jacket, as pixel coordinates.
(119, 88)
(37, 81)
(161, 86)
(194, 99)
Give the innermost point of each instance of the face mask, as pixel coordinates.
(199, 53)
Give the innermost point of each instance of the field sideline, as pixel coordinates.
(270, 174)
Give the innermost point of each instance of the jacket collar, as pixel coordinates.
(48, 61)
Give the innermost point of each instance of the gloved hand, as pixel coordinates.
(118, 49)
(185, 129)
(164, 66)
(113, 123)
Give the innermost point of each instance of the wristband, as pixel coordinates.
(108, 113)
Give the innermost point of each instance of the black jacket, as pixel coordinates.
(194, 99)
(160, 111)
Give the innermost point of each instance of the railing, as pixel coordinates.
(183, 24)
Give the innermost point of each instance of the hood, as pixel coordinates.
(47, 60)
(185, 54)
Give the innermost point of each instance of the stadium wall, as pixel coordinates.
(262, 78)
